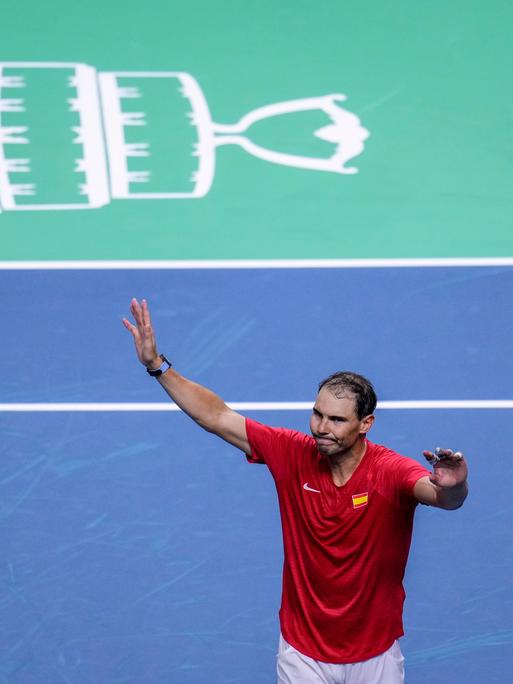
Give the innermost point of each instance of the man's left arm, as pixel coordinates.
(446, 487)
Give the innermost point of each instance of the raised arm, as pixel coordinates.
(447, 486)
(198, 402)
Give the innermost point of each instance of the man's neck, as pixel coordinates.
(344, 464)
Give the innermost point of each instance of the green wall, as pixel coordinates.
(430, 81)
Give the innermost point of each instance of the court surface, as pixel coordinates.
(139, 549)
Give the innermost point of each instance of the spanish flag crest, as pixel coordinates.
(360, 500)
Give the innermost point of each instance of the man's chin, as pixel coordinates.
(326, 445)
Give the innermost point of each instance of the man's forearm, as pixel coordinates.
(198, 402)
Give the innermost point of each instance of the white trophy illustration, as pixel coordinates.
(73, 138)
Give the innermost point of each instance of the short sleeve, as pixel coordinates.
(408, 473)
(278, 448)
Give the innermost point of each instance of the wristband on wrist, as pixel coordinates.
(164, 366)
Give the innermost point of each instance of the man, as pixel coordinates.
(347, 510)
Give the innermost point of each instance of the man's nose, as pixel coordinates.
(323, 426)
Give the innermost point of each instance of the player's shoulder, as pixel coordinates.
(281, 434)
(385, 457)
(382, 452)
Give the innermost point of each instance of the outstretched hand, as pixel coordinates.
(449, 467)
(142, 332)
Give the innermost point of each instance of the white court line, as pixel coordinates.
(251, 405)
(210, 264)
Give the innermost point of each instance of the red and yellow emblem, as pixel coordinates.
(360, 500)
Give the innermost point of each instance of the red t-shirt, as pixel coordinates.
(345, 547)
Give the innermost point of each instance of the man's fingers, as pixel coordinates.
(129, 326)
(138, 330)
(135, 332)
(447, 455)
(142, 318)
(146, 314)
(135, 308)
(147, 330)
(142, 331)
(431, 457)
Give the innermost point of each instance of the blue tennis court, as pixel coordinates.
(139, 549)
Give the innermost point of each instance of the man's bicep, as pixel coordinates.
(425, 491)
(231, 427)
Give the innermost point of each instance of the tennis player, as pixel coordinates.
(347, 508)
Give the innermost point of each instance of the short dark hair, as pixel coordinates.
(346, 381)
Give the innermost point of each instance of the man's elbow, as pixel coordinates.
(208, 423)
(216, 421)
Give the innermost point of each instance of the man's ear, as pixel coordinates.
(366, 424)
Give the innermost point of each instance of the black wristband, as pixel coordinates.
(158, 371)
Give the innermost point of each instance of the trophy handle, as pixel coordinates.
(334, 164)
(325, 103)
(345, 131)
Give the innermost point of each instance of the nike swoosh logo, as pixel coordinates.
(310, 489)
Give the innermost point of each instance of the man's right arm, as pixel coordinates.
(204, 406)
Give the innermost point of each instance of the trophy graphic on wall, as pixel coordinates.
(75, 138)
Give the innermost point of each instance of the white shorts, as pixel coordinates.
(296, 668)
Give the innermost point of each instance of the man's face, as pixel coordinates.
(334, 424)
